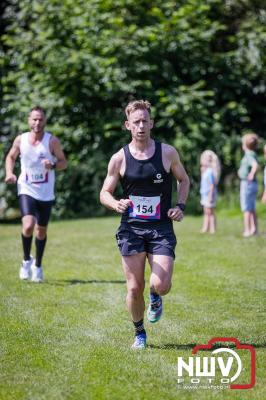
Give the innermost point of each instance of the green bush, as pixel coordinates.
(200, 63)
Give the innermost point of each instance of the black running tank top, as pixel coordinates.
(148, 186)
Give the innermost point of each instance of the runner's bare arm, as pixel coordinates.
(11, 159)
(182, 181)
(110, 183)
(57, 151)
(181, 176)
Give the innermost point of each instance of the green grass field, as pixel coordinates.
(69, 338)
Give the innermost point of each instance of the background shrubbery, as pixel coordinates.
(202, 65)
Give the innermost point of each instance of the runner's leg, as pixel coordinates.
(161, 273)
(134, 267)
(28, 223)
(27, 207)
(43, 215)
(40, 242)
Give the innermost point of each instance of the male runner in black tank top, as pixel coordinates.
(145, 168)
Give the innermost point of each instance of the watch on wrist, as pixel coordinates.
(182, 206)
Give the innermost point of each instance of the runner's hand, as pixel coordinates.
(175, 214)
(11, 178)
(122, 205)
(47, 164)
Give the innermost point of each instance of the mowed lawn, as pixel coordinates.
(70, 337)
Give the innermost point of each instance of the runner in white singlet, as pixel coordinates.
(40, 155)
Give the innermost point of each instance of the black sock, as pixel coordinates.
(139, 327)
(40, 245)
(26, 244)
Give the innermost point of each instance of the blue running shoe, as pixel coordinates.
(155, 310)
(140, 342)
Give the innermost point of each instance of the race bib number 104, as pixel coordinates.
(145, 207)
(37, 175)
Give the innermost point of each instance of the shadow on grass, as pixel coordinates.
(172, 346)
(69, 282)
(176, 346)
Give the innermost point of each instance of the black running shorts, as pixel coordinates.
(41, 210)
(159, 240)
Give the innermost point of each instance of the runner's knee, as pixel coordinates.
(136, 290)
(41, 232)
(162, 287)
(27, 228)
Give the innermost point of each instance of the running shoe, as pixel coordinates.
(155, 310)
(25, 269)
(140, 342)
(37, 274)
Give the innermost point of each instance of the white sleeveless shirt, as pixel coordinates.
(34, 179)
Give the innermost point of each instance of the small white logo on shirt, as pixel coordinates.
(159, 179)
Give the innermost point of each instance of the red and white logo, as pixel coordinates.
(225, 367)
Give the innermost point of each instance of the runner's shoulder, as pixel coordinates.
(117, 160)
(17, 140)
(54, 143)
(118, 156)
(169, 151)
(53, 139)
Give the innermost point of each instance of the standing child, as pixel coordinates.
(248, 183)
(263, 199)
(210, 174)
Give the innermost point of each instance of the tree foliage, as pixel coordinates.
(200, 63)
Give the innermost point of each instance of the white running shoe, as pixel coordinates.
(37, 274)
(25, 269)
(139, 342)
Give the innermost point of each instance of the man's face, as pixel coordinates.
(140, 124)
(36, 121)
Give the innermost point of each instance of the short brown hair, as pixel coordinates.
(250, 140)
(137, 105)
(37, 108)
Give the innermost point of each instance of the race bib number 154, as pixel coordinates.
(144, 207)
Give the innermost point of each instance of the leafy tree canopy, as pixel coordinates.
(201, 64)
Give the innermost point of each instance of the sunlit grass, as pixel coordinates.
(70, 337)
